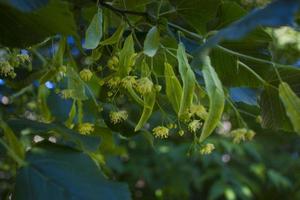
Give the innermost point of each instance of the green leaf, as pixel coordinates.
(152, 42)
(19, 29)
(93, 33)
(196, 12)
(56, 172)
(149, 102)
(83, 142)
(173, 87)
(126, 57)
(291, 103)
(188, 78)
(216, 98)
(115, 37)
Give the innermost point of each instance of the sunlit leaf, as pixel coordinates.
(216, 98)
(93, 33)
(188, 79)
(152, 42)
(291, 103)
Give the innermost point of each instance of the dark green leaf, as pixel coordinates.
(56, 172)
(196, 12)
(89, 143)
(20, 29)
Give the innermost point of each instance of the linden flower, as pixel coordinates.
(114, 82)
(161, 132)
(199, 111)
(67, 93)
(6, 69)
(144, 85)
(207, 149)
(250, 134)
(239, 135)
(86, 74)
(194, 125)
(23, 58)
(119, 116)
(86, 128)
(128, 81)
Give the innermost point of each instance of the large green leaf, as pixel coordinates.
(93, 33)
(216, 98)
(89, 143)
(18, 29)
(60, 173)
(197, 12)
(291, 103)
(152, 42)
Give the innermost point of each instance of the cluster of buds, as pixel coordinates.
(242, 134)
(113, 63)
(86, 74)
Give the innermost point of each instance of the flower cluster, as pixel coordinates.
(6, 69)
(161, 132)
(118, 117)
(129, 81)
(144, 85)
(199, 111)
(242, 134)
(86, 128)
(207, 149)
(194, 125)
(67, 93)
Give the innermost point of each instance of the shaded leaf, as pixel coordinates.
(278, 13)
(89, 143)
(56, 172)
(20, 29)
(197, 12)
